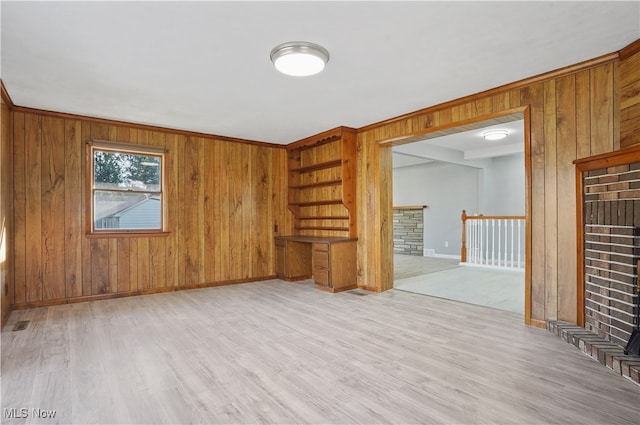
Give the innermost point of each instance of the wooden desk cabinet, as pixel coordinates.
(293, 260)
(330, 261)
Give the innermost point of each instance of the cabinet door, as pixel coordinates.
(281, 259)
(343, 266)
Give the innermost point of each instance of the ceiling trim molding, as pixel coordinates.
(561, 72)
(629, 50)
(5, 96)
(65, 115)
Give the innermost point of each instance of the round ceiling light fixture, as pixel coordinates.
(495, 134)
(299, 58)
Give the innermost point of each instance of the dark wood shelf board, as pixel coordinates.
(317, 203)
(319, 166)
(317, 184)
(324, 217)
(339, 229)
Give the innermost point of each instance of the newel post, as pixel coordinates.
(463, 250)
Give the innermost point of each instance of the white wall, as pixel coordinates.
(447, 189)
(504, 191)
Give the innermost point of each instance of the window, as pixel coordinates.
(126, 188)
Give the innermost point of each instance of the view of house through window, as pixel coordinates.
(126, 190)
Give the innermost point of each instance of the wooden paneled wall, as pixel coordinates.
(572, 113)
(224, 199)
(6, 207)
(630, 95)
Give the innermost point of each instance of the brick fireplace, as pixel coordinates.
(611, 250)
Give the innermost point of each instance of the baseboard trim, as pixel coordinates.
(432, 253)
(369, 288)
(47, 303)
(537, 323)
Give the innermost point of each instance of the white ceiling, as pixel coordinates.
(204, 66)
(467, 148)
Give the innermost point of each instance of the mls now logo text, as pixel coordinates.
(23, 412)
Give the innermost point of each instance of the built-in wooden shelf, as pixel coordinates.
(316, 203)
(336, 182)
(318, 166)
(340, 229)
(323, 217)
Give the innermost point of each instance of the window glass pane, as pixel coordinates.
(126, 171)
(126, 210)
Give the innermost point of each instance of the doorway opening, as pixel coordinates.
(471, 194)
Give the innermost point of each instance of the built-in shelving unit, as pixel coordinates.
(322, 183)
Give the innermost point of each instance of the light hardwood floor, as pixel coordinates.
(280, 352)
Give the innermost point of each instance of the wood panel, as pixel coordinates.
(19, 210)
(223, 241)
(33, 196)
(534, 96)
(223, 200)
(550, 303)
(385, 222)
(173, 220)
(566, 194)
(261, 183)
(53, 199)
(211, 215)
(246, 253)
(235, 168)
(570, 114)
(73, 212)
(630, 100)
(6, 207)
(602, 109)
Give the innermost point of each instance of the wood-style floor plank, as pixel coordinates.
(281, 352)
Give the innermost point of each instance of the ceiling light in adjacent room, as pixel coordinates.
(495, 134)
(299, 58)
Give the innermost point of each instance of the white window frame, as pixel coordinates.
(124, 148)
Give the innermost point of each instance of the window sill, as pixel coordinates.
(131, 234)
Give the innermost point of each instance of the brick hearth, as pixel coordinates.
(598, 348)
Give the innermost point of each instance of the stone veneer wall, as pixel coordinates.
(408, 230)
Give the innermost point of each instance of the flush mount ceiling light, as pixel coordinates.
(299, 58)
(495, 134)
